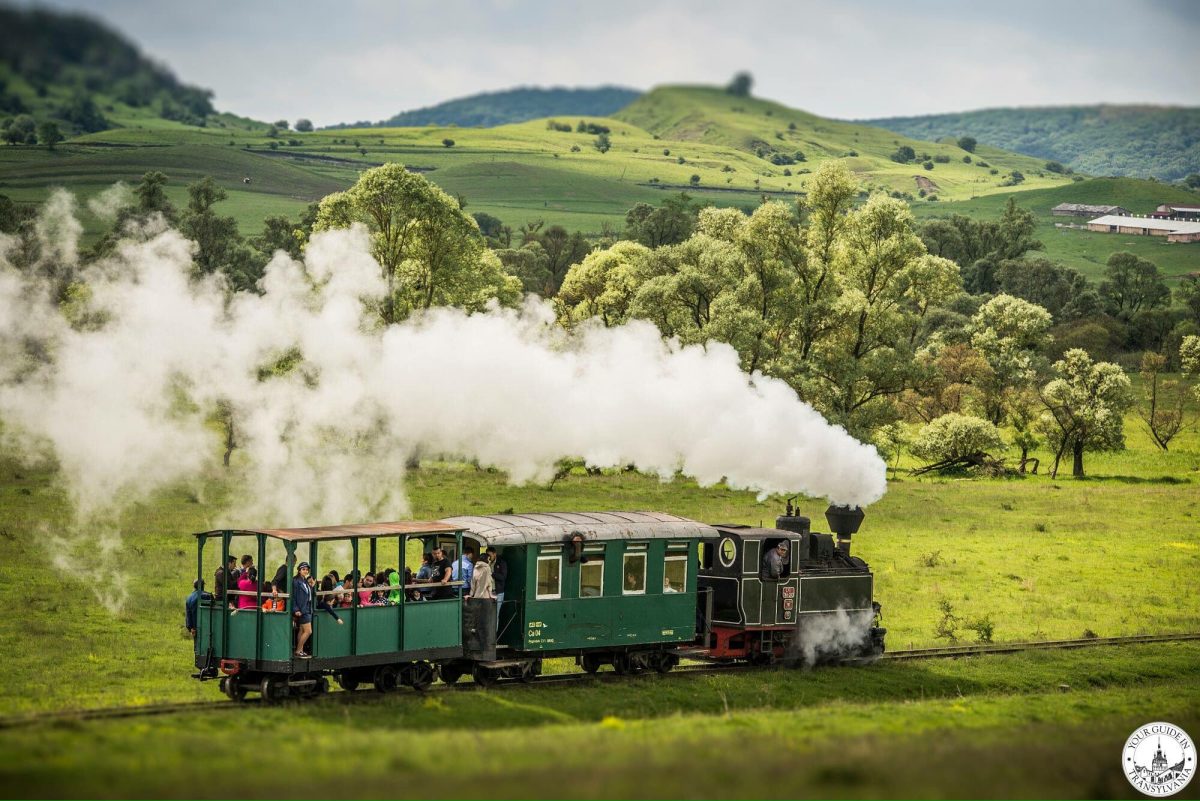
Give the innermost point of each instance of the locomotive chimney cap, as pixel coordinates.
(844, 520)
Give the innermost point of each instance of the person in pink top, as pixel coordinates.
(366, 598)
(247, 583)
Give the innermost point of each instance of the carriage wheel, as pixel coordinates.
(590, 663)
(386, 679)
(665, 662)
(233, 687)
(272, 689)
(422, 676)
(483, 676)
(347, 681)
(450, 672)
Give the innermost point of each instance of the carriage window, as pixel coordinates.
(549, 577)
(675, 574)
(634, 581)
(591, 579)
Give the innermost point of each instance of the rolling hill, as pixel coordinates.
(1140, 141)
(513, 105)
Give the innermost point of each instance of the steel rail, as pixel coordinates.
(694, 668)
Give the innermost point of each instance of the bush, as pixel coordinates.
(903, 154)
(681, 160)
(994, 171)
(304, 126)
(967, 143)
(780, 159)
(927, 165)
(1054, 166)
(966, 159)
(787, 171)
(282, 125)
(555, 125)
(447, 143)
(727, 168)
(575, 149)
(592, 128)
(956, 440)
(602, 143)
(666, 151)
(943, 159)
(1015, 177)
(982, 163)
(694, 180)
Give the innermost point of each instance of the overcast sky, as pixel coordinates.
(368, 59)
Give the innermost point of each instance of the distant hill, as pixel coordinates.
(513, 105)
(76, 71)
(1138, 141)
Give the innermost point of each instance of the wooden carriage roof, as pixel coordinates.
(551, 527)
(410, 527)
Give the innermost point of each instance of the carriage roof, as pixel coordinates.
(552, 527)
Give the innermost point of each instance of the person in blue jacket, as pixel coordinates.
(192, 604)
(302, 608)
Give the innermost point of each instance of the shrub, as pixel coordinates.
(941, 158)
(984, 628)
(602, 143)
(779, 159)
(681, 160)
(447, 143)
(982, 163)
(1054, 166)
(574, 148)
(727, 168)
(666, 151)
(851, 153)
(555, 125)
(304, 126)
(694, 180)
(994, 171)
(957, 440)
(927, 165)
(799, 155)
(903, 154)
(932, 199)
(967, 143)
(966, 159)
(786, 171)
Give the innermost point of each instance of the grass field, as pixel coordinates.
(1116, 553)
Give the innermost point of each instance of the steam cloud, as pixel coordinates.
(124, 400)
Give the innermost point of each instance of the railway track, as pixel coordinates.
(946, 652)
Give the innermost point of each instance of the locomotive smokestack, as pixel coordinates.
(844, 521)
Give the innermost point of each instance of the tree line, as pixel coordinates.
(942, 339)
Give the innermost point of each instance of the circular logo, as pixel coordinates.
(1159, 759)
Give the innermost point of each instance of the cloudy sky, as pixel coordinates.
(368, 59)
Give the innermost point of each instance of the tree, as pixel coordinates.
(1188, 295)
(562, 250)
(304, 125)
(529, 264)
(602, 143)
(1163, 402)
(22, 130)
(1084, 408)
(1192, 181)
(604, 284)
(967, 143)
(1062, 291)
(447, 143)
(694, 180)
(151, 195)
(219, 246)
(903, 154)
(490, 226)
(740, 85)
(279, 233)
(48, 134)
(669, 224)
(957, 441)
(429, 249)
(282, 125)
(1131, 284)
(1007, 332)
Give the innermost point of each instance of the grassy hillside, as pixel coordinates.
(1081, 249)
(513, 105)
(1139, 141)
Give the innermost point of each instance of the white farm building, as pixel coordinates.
(1173, 230)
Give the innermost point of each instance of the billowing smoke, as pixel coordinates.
(129, 390)
(833, 635)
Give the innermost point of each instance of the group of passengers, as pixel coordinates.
(240, 587)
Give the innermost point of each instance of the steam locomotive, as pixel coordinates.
(634, 590)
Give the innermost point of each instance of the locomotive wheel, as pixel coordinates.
(590, 663)
(386, 679)
(450, 672)
(347, 681)
(484, 677)
(422, 676)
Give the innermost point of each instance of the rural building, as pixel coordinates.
(1085, 210)
(1169, 212)
(1173, 230)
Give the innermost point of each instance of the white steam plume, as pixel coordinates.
(124, 402)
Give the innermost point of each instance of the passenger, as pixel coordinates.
(302, 607)
(631, 581)
(393, 580)
(424, 575)
(347, 598)
(365, 596)
(481, 582)
(323, 603)
(247, 564)
(667, 585)
(192, 605)
(499, 577)
(247, 583)
(464, 567)
(441, 575)
(773, 562)
(221, 585)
